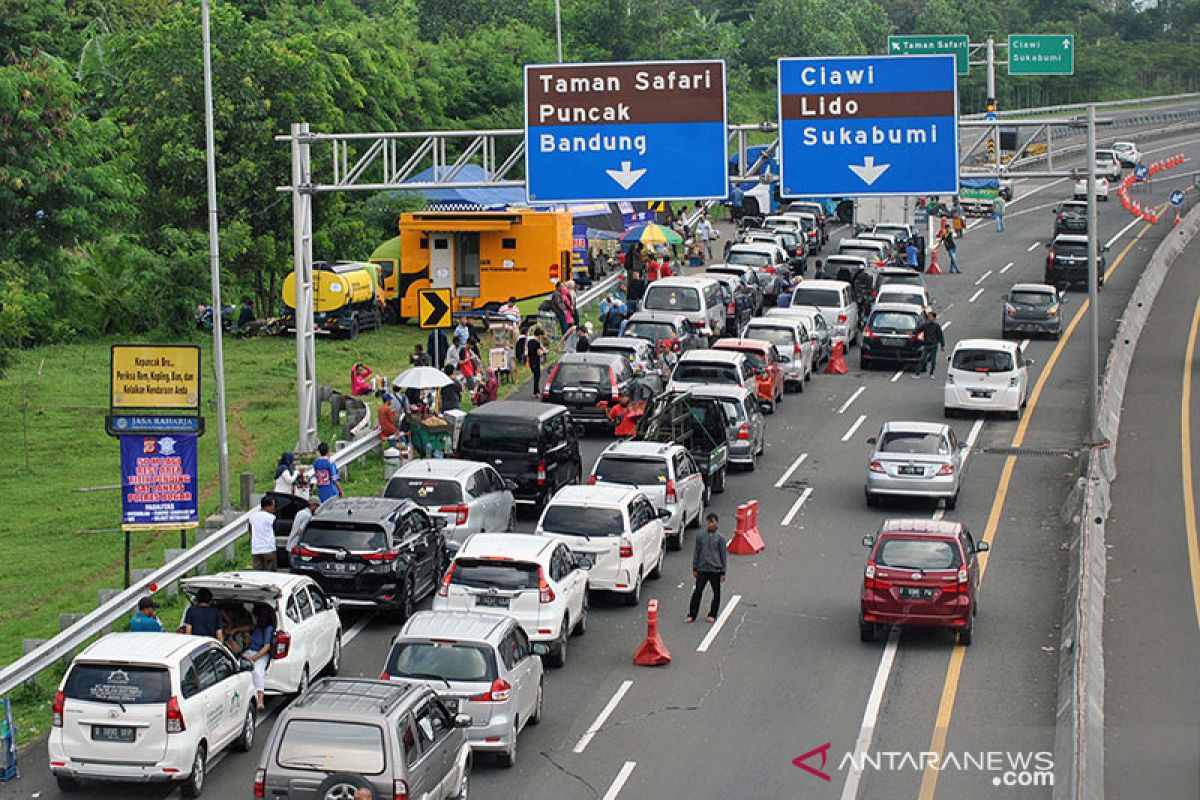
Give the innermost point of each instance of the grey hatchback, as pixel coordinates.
(747, 425)
(346, 734)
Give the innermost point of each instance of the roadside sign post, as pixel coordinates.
(434, 312)
(629, 131)
(1176, 198)
(1041, 54)
(856, 126)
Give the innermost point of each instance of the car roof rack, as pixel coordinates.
(384, 695)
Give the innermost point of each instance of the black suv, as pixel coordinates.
(1071, 217)
(373, 551)
(1066, 261)
(581, 381)
(532, 444)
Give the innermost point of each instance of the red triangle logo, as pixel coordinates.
(823, 750)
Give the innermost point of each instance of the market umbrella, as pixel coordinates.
(651, 233)
(421, 378)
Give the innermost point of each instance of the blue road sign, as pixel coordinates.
(626, 131)
(122, 424)
(1141, 172)
(1177, 198)
(854, 126)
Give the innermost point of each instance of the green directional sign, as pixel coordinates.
(957, 46)
(1041, 54)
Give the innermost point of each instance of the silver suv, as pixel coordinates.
(346, 734)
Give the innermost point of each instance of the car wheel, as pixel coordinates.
(949, 412)
(1057, 334)
(866, 631)
(952, 502)
(464, 784)
(656, 573)
(558, 654)
(800, 383)
(353, 333)
(872, 500)
(335, 659)
(408, 603)
(581, 623)
(864, 363)
(305, 681)
(707, 498)
(634, 597)
(965, 635)
(1014, 415)
(245, 740)
(66, 784)
(512, 521)
(719, 481)
(753, 465)
(508, 759)
(194, 785)
(341, 785)
(536, 716)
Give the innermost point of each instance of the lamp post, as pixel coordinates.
(558, 27)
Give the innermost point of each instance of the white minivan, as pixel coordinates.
(149, 708)
(987, 375)
(836, 301)
(697, 298)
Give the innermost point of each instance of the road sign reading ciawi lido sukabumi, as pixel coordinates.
(868, 125)
(627, 131)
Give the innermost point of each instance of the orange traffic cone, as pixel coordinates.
(837, 360)
(746, 539)
(652, 652)
(933, 267)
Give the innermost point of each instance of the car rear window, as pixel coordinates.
(484, 573)
(978, 360)
(893, 322)
(328, 745)
(616, 350)
(425, 491)
(922, 554)
(1033, 298)
(900, 280)
(734, 410)
(930, 444)
(1078, 249)
(748, 259)
(672, 298)
(111, 683)
(654, 331)
(697, 372)
(349, 535)
(635, 471)
(869, 253)
(581, 375)
(583, 521)
(821, 298)
(451, 661)
(780, 337)
(508, 436)
(913, 298)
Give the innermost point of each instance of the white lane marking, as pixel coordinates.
(619, 782)
(975, 296)
(971, 225)
(950, 322)
(983, 277)
(866, 731)
(896, 377)
(973, 436)
(796, 506)
(1123, 231)
(800, 459)
(861, 419)
(716, 628)
(602, 717)
(947, 308)
(1024, 344)
(355, 629)
(853, 397)
(1006, 268)
(1033, 247)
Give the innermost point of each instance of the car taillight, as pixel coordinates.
(626, 548)
(769, 270)
(919, 336)
(591, 480)
(541, 473)
(796, 349)
(962, 579)
(283, 645)
(947, 469)
(260, 784)
(56, 710)
(384, 676)
(1010, 310)
(1050, 256)
(460, 512)
(841, 317)
(499, 692)
(868, 333)
(550, 381)
(612, 380)
(175, 723)
(732, 308)
(877, 467)
(399, 790)
(303, 552)
(743, 431)
(444, 589)
(545, 593)
(870, 581)
(799, 252)
(381, 557)
(671, 496)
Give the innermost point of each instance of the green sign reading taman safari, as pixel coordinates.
(1041, 54)
(957, 46)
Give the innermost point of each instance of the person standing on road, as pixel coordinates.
(998, 209)
(705, 233)
(301, 522)
(535, 348)
(259, 651)
(146, 619)
(951, 249)
(709, 562)
(262, 535)
(933, 338)
(910, 255)
(325, 473)
(203, 618)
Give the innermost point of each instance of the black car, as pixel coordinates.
(665, 330)
(582, 381)
(373, 552)
(748, 278)
(1070, 217)
(532, 444)
(1067, 263)
(892, 334)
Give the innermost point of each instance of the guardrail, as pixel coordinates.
(64, 644)
(1140, 101)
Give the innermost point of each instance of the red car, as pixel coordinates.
(766, 361)
(921, 573)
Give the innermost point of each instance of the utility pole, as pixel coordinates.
(558, 27)
(214, 259)
(1093, 278)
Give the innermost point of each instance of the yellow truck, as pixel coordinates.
(346, 298)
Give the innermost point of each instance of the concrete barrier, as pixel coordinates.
(1079, 721)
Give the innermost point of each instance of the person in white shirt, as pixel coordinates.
(301, 522)
(262, 535)
(289, 478)
(705, 233)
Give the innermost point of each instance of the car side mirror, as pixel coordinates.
(963, 445)
(872, 440)
(1029, 362)
(439, 522)
(781, 359)
(1104, 248)
(982, 547)
(868, 541)
(540, 649)
(462, 720)
(664, 513)
(245, 665)
(511, 485)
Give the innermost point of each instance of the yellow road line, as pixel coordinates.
(1185, 445)
(941, 727)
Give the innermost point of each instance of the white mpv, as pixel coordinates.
(147, 708)
(987, 375)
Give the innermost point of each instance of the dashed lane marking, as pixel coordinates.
(861, 419)
(853, 397)
(720, 623)
(796, 506)
(800, 459)
(602, 717)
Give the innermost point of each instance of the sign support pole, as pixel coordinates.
(128, 566)
(991, 92)
(1093, 291)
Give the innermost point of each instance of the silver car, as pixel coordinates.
(747, 425)
(483, 666)
(814, 321)
(1032, 308)
(915, 459)
(668, 476)
(470, 495)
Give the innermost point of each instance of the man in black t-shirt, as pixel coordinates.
(203, 618)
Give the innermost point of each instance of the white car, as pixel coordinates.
(1127, 153)
(835, 299)
(666, 473)
(308, 631)
(791, 338)
(813, 321)
(1108, 164)
(532, 578)
(1081, 191)
(149, 708)
(906, 293)
(470, 495)
(697, 367)
(987, 375)
(614, 532)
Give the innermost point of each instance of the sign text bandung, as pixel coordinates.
(631, 131)
(159, 483)
(868, 125)
(155, 376)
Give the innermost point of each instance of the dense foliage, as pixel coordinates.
(102, 191)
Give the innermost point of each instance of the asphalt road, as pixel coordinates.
(783, 673)
(1152, 703)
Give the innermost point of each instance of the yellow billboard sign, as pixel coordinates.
(155, 376)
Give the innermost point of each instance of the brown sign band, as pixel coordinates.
(617, 94)
(880, 105)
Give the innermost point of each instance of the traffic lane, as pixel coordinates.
(1152, 737)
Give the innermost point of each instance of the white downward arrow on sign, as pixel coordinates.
(625, 176)
(867, 170)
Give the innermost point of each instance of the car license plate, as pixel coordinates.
(491, 601)
(112, 733)
(578, 397)
(909, 470)
(915, 593)
(338, 567)
(980, 394)
(585, 560)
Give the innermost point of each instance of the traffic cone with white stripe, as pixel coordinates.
(652, 652)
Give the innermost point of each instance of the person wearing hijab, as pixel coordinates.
(290, 479)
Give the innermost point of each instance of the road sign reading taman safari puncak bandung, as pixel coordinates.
(868, 125)
(628, 131)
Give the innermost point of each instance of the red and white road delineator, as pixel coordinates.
(746, 539)
(652, 652)
(837, 360)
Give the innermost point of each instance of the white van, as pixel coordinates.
(987, 375)
(695, 297)
(836, 301)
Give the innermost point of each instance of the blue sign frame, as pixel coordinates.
(159, 483)
(868, 126)
(611, 161)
